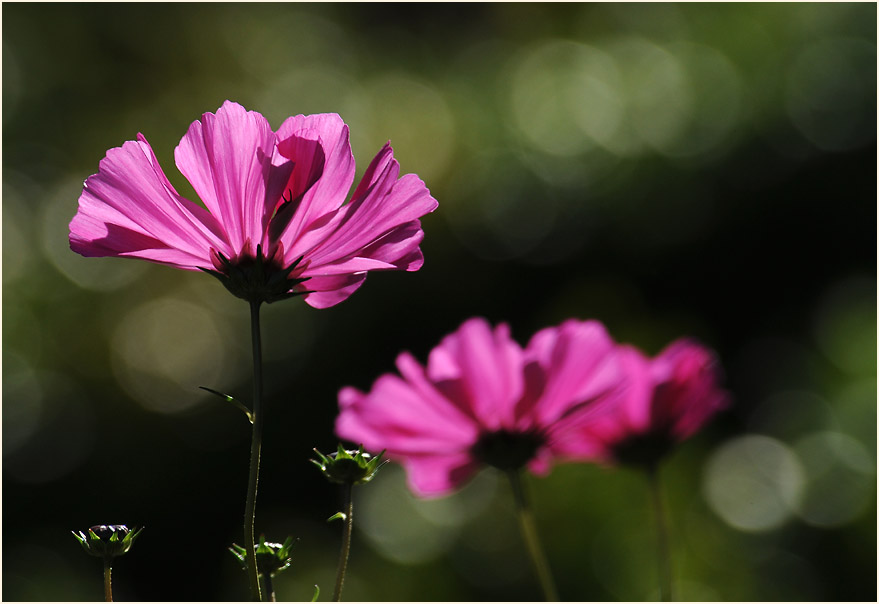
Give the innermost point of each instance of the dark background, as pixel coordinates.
(669, 169)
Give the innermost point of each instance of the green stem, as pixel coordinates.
(255, 446)
(663, 551)
(269, 588)
(108, 582)
(346, 540)
(529, 532)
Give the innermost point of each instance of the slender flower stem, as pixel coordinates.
(663, 551)
(108, 582)
(346, 540)
(255, 446)
(269, 587)
(529, 532)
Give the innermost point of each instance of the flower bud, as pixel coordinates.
(107, 540)
(271, 558)
(349, 467)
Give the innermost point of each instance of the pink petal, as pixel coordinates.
(227, 158)
(130, 209)
(634, 412)
(686, 393)
(399, 247)
(329, 290)
(377, 209)
(318, 146)
(453, 408)
(626, 412)
(347, 266)
(581, 367)
(437, 475)
(393, 416)
(489, 366)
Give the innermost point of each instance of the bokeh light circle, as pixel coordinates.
(753, 483)
(840, 478)
(565, 97)
(658, 93)
(413, 115)
(164, 350)
(389, 518)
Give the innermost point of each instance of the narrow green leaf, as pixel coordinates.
(231, 399)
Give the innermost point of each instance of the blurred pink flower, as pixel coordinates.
(667, 400)
(482, 399)
(274, 199)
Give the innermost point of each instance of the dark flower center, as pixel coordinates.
(507, 450)
(257, 279)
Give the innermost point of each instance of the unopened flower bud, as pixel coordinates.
(349, 467)
(271, 558)
(107, 540)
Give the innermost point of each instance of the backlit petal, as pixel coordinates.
(130, 209)
(227, 157)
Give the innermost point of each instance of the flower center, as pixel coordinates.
(257, 279)
(506, 450)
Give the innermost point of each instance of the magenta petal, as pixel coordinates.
(393, 416)
(686, 393)
(329, 290)
(634, 412)
(453, 407)
(489, 364)
(437, 475)
(318, 146)
(227, 158)
(581, 367)
(386, 204)
(130, 209)
(399, 247)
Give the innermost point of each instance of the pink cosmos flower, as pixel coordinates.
(482, 399)
(275, 221)
(668, 399)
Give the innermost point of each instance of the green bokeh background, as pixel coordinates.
(669, 169)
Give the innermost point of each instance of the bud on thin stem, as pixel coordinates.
(107, 541)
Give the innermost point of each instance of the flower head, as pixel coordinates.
(275, 220)
(669, 398)
(483, 400)
(107, 540)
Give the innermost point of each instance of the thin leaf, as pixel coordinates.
(231, 399)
